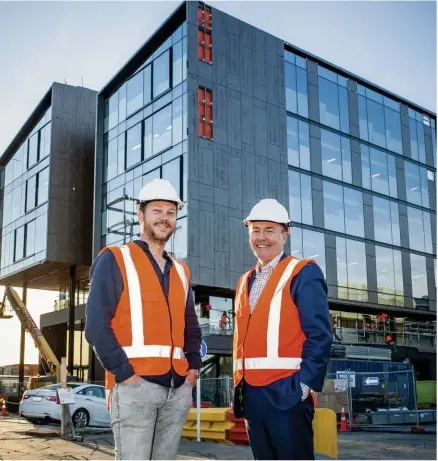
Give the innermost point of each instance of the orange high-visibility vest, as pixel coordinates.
(150, 330)
(268, 342)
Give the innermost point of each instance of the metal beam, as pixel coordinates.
(22, 348)
(71, 317)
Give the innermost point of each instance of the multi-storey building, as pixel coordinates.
(230, 115)
(46, 195)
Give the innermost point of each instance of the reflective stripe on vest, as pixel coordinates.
(138, 349)
(272, 361)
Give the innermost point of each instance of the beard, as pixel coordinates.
(152, 235)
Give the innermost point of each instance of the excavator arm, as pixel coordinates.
(28, 323)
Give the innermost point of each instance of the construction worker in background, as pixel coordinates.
(382, 320)
(143, 327)
(282, 340)
(223, 322)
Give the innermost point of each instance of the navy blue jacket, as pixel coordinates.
(309, 293)
(105, 291)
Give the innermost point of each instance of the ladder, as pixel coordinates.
(28, 323)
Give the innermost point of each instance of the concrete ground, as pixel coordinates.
(22, 440)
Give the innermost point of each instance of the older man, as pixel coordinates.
(142, 324)
(282, 340)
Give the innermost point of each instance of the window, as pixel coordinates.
(378, 171)
(416, 137)
(419, 281)
(31, 193)
(351, 270)
(177, 121)
(122, 102)
(298, 143)
(379, 119)
(147, 88)
(121, 148)
(336, 156)
(162, 129)
(296, 89)
(17, 164)
(19, 244)
(389, 277)
(420, 233)
(30, 238)
(17, 203)
(7, 209)
(43, 186)
(40, 233)
(161, 74)
(93, 391)
(133, 146)
(300, 198)
(308, 244)
(177, 66)
(204, 17)
(32, 157)
(343, 209)
(205, 46)
(135, 93)
(417, 189)
(333, 100)
(205, 107)
(111, 159)
(113, 111)
(147, 138)
(177, 244)
(45, 141)
(172, 172)
(386, 221)
(434, 142)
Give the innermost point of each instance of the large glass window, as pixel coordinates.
(393, 131)
(308, 244)
(133, 146)
(336, 156)
(19, 244)
(177, 244)
(122, 102)
(161, 79)
(17, 203)
(135, 93)
(162, 129)
(177, 68)
(298, 143)
(121, 153)
(32, 157)
(17, 163)
(300, 198)
(177, 121)
(378, 171)
(389, 277)
(7, 209)
(419, 281)
(30, 238)
(416, 136)
(343, 209)
(351, 270)
(147, 93)
(386, 221)
(43, 186)
(45, 140)
(417, 189)
(296, 84)
(172, 172)
(113, 111)
(31, 195)
(40, 233)
(333, 100)
(111, 159)
(420, 234)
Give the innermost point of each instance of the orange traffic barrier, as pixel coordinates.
(343, 427)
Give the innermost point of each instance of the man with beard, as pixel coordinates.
(143, 327)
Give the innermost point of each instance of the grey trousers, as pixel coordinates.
(148, 419)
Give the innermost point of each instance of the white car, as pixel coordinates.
(89, 409)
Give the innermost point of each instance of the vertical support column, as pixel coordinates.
(22, 347)
(71, 317)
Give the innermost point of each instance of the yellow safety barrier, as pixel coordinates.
(325, 434)
(214, 424)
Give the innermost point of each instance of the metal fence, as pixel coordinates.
(216, 392)
(372, 398)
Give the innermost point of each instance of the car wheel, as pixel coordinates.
(81, 418)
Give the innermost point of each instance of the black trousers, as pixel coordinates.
(279, 434)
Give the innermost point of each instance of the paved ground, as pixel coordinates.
(16, 442)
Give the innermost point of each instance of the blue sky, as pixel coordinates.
(392, 44)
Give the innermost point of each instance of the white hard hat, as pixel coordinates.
(269, 209)
(160, 189)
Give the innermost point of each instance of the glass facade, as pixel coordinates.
(25, 196)
(146, 138)
(372, 190)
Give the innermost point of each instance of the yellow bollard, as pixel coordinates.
(325, 434)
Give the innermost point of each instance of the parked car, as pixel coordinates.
(89, 409)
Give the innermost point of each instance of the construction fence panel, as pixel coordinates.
(215, 392)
